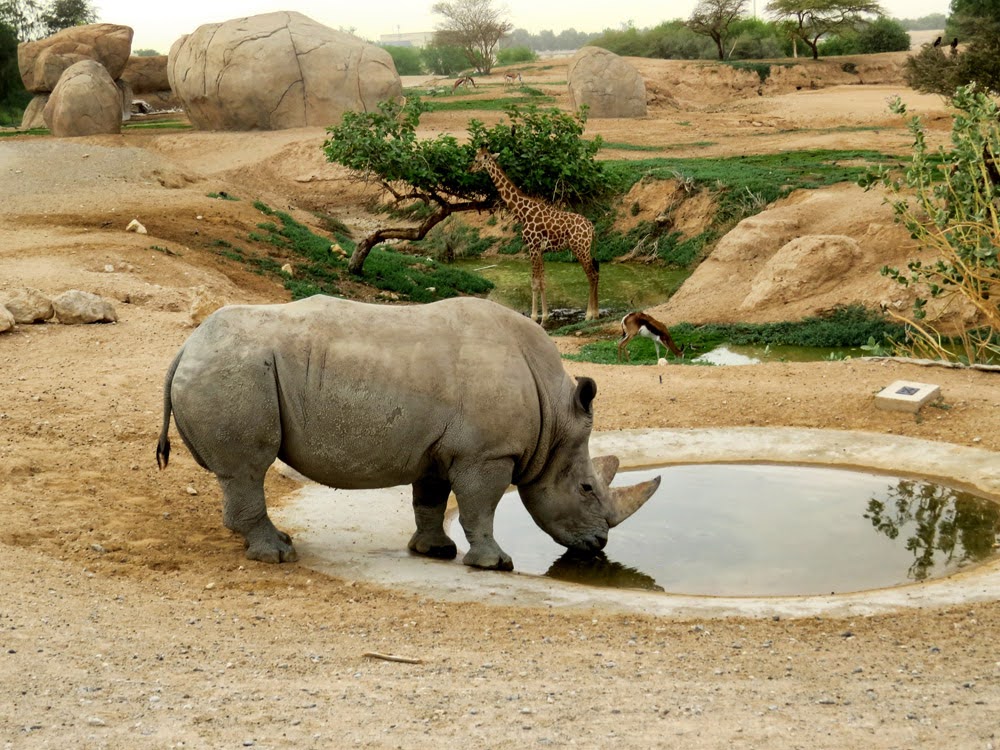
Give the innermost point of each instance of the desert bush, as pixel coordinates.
(883, 35)
(949, 200)
(443, 60)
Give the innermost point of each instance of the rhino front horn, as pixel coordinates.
(627, 500)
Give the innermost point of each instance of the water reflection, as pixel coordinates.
(598, 570)
(944, 526)
(769, 530)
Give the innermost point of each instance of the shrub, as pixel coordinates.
(949, 200)
(407, 60)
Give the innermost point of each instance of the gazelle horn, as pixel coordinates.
(627, 500)
(606, 468)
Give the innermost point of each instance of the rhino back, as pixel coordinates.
(371, 395)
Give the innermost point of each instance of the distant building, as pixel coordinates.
(417, 39)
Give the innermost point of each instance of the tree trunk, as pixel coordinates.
(357, 262)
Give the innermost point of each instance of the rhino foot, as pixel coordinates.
(267, 544)
(491, 559)
(437, 545)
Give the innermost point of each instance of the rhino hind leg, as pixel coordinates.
(430, 500)
(478, 489)
(244, 511)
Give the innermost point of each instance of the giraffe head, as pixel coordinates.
(483, 158)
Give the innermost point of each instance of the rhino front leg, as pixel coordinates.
(430, 500)
(478, 489)
(244, 511)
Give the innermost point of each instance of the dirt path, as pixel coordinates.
(130, 618)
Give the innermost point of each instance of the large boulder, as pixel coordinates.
(42, 63)
(147, 73)
(85, 102)
(34, 116)
(608, 85)
(277, 70)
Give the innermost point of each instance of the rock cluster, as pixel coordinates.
(93, 99)
(28, 306)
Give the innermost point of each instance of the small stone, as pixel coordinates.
(209, 586)
(135, 226)
(191, 490)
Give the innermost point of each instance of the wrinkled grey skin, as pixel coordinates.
(460, 396)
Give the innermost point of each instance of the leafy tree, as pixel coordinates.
(442, 60)
(811, 20)
(146, 52)
(713, 18)
(407, 60)
(64, 14)
(475, 26)
(883, 35)
(23, 16)
(755, 39)
(543, 151)
(949, 200)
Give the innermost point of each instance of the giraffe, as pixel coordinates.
(544, 228)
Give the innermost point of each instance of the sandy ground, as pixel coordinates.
(130, 618)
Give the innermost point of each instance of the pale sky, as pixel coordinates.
(158, 25)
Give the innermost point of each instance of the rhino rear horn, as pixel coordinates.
(627, 500)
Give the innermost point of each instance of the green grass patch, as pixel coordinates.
(743, 185)
(223, 196)
(499, 104)
(30, 131)
(844, 327)
(416, 279)
(157, 125)
(618, 146)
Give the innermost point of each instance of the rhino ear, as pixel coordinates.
(586, 390)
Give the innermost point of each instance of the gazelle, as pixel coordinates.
(640, 324)
(510, 78)
(463, 81)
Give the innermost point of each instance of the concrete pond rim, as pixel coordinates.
(362, 534)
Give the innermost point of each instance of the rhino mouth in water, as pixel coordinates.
(462, 396)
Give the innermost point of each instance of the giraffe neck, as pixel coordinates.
(516, 201)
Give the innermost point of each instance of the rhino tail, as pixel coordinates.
(163, 445)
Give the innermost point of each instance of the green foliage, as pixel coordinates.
(743, 185)
(453, 239)
(812, 20)
(407, 60)
(883, 35)
(755, 39)
(443, 60)
(498, 104)
(146, 53)
(64, 14)
(844, 327)
(317, 270)
(13, 97)
(949, 200)
(514, 55)
(763, 70)
(543, 152)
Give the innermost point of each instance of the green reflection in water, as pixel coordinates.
(768, 530)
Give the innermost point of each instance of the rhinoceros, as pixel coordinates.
(462, 395)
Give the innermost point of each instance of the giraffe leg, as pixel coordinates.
(538, 287)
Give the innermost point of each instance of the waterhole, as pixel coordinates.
(768, 530)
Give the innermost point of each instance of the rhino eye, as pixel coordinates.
(587, 487)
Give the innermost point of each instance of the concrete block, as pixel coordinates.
(905, 395)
